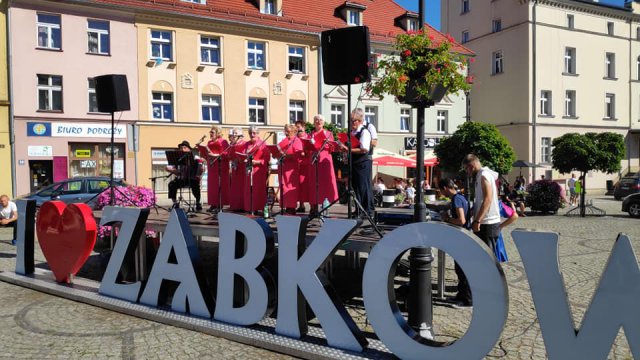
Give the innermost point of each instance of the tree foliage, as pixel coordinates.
(483, 140)
(591, 151)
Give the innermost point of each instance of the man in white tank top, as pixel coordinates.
(486, 211)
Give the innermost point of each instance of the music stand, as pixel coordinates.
(277, 154)
(181, 160)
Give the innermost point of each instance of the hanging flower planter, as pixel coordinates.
(421, 71)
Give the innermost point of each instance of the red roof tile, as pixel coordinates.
(298, 15)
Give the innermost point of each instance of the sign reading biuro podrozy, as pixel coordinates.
(300, 280)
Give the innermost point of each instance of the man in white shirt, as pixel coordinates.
(486, 210)
(9, 215)
(361, 162)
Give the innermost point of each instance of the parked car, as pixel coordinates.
(626, 186)
(631, 204)
(75, 190)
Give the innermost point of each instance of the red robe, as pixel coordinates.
(326, 176)
(237, 176)
(217, 146)
(290, 172)
(305, 182)
(258, 174)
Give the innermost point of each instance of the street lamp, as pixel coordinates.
(420, 259)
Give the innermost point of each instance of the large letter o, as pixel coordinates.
(486, 279)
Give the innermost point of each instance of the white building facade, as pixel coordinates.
(550, 67)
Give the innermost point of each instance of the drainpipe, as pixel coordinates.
(12, 138)
(631, 63)
(320, 75)
(534, 90)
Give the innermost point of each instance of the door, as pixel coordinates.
(40, 174)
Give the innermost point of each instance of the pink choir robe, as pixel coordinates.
(326, 176)
(259, 172)
(290, 172)
(305, 182)
(236, 177)
(217, 146)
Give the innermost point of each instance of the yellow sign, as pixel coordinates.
(83, 153)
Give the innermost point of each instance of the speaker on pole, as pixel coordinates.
(112, 93)
(345, 55)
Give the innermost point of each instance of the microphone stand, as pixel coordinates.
(219, 157)
(281, 173)
(249, 167)
(153, 185)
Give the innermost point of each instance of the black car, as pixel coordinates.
(626, 186)
(75, 190)
(631, 204)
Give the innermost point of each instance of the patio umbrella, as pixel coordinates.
(522, 163)
(393, 160)
(427, 162)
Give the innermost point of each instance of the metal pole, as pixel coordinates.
(112, 184)
(349, 159)
(420, 259)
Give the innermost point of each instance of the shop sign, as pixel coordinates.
(301, 281)
(38, 150)
(93, 130)
(38, 129)
(88, 164)
(83, 153)
(410, 143)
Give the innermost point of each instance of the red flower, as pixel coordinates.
(450, 38)
(406, 52)
(357, 79)
(470, 79)
(403, 78)
(431, 37)
(472, 60)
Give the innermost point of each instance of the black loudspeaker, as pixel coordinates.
(112, 93)
(345, 55)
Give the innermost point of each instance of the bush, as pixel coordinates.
(137, 196)
(544, 196)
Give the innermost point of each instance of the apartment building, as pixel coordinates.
(56, 51)
(550, 67)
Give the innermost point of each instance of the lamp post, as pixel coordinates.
(420, 259)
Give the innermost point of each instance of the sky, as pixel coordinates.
(432, 9)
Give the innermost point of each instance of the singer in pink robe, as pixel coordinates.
(326, 176)
(217, 170)
(238, 171)
(291, 147)
(303, 194)
(256, 194)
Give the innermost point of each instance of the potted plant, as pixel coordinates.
(421, 70)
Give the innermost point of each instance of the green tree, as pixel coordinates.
(583, 153)
(483, 140)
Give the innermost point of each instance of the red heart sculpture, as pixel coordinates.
(66, 235)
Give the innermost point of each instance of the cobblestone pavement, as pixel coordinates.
(37, 325)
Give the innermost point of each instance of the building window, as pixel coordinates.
(161, 47)
(570, 103)
(405, 119)
(211, 108)
(209, 50)
(296, 111)
(93, 100)
(464, 6)
(638, 67)
(545, 150)
(162, 104)
(337, 115)
(371, 115)
(354, 17)
(610, 65)
(255, 53)
(49, 92)
(296, 59)
(465, 37)
(94, 160)
(269, 7)
(256, 111)
(497, 64)
(610, 28)
(610, 106)
(545, 103)
(98, 37)
(441, 121)
(496, 25)
(569, 60)
(412, 25)
(49, 32)
(570, 21)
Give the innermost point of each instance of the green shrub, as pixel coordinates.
(544, 196)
